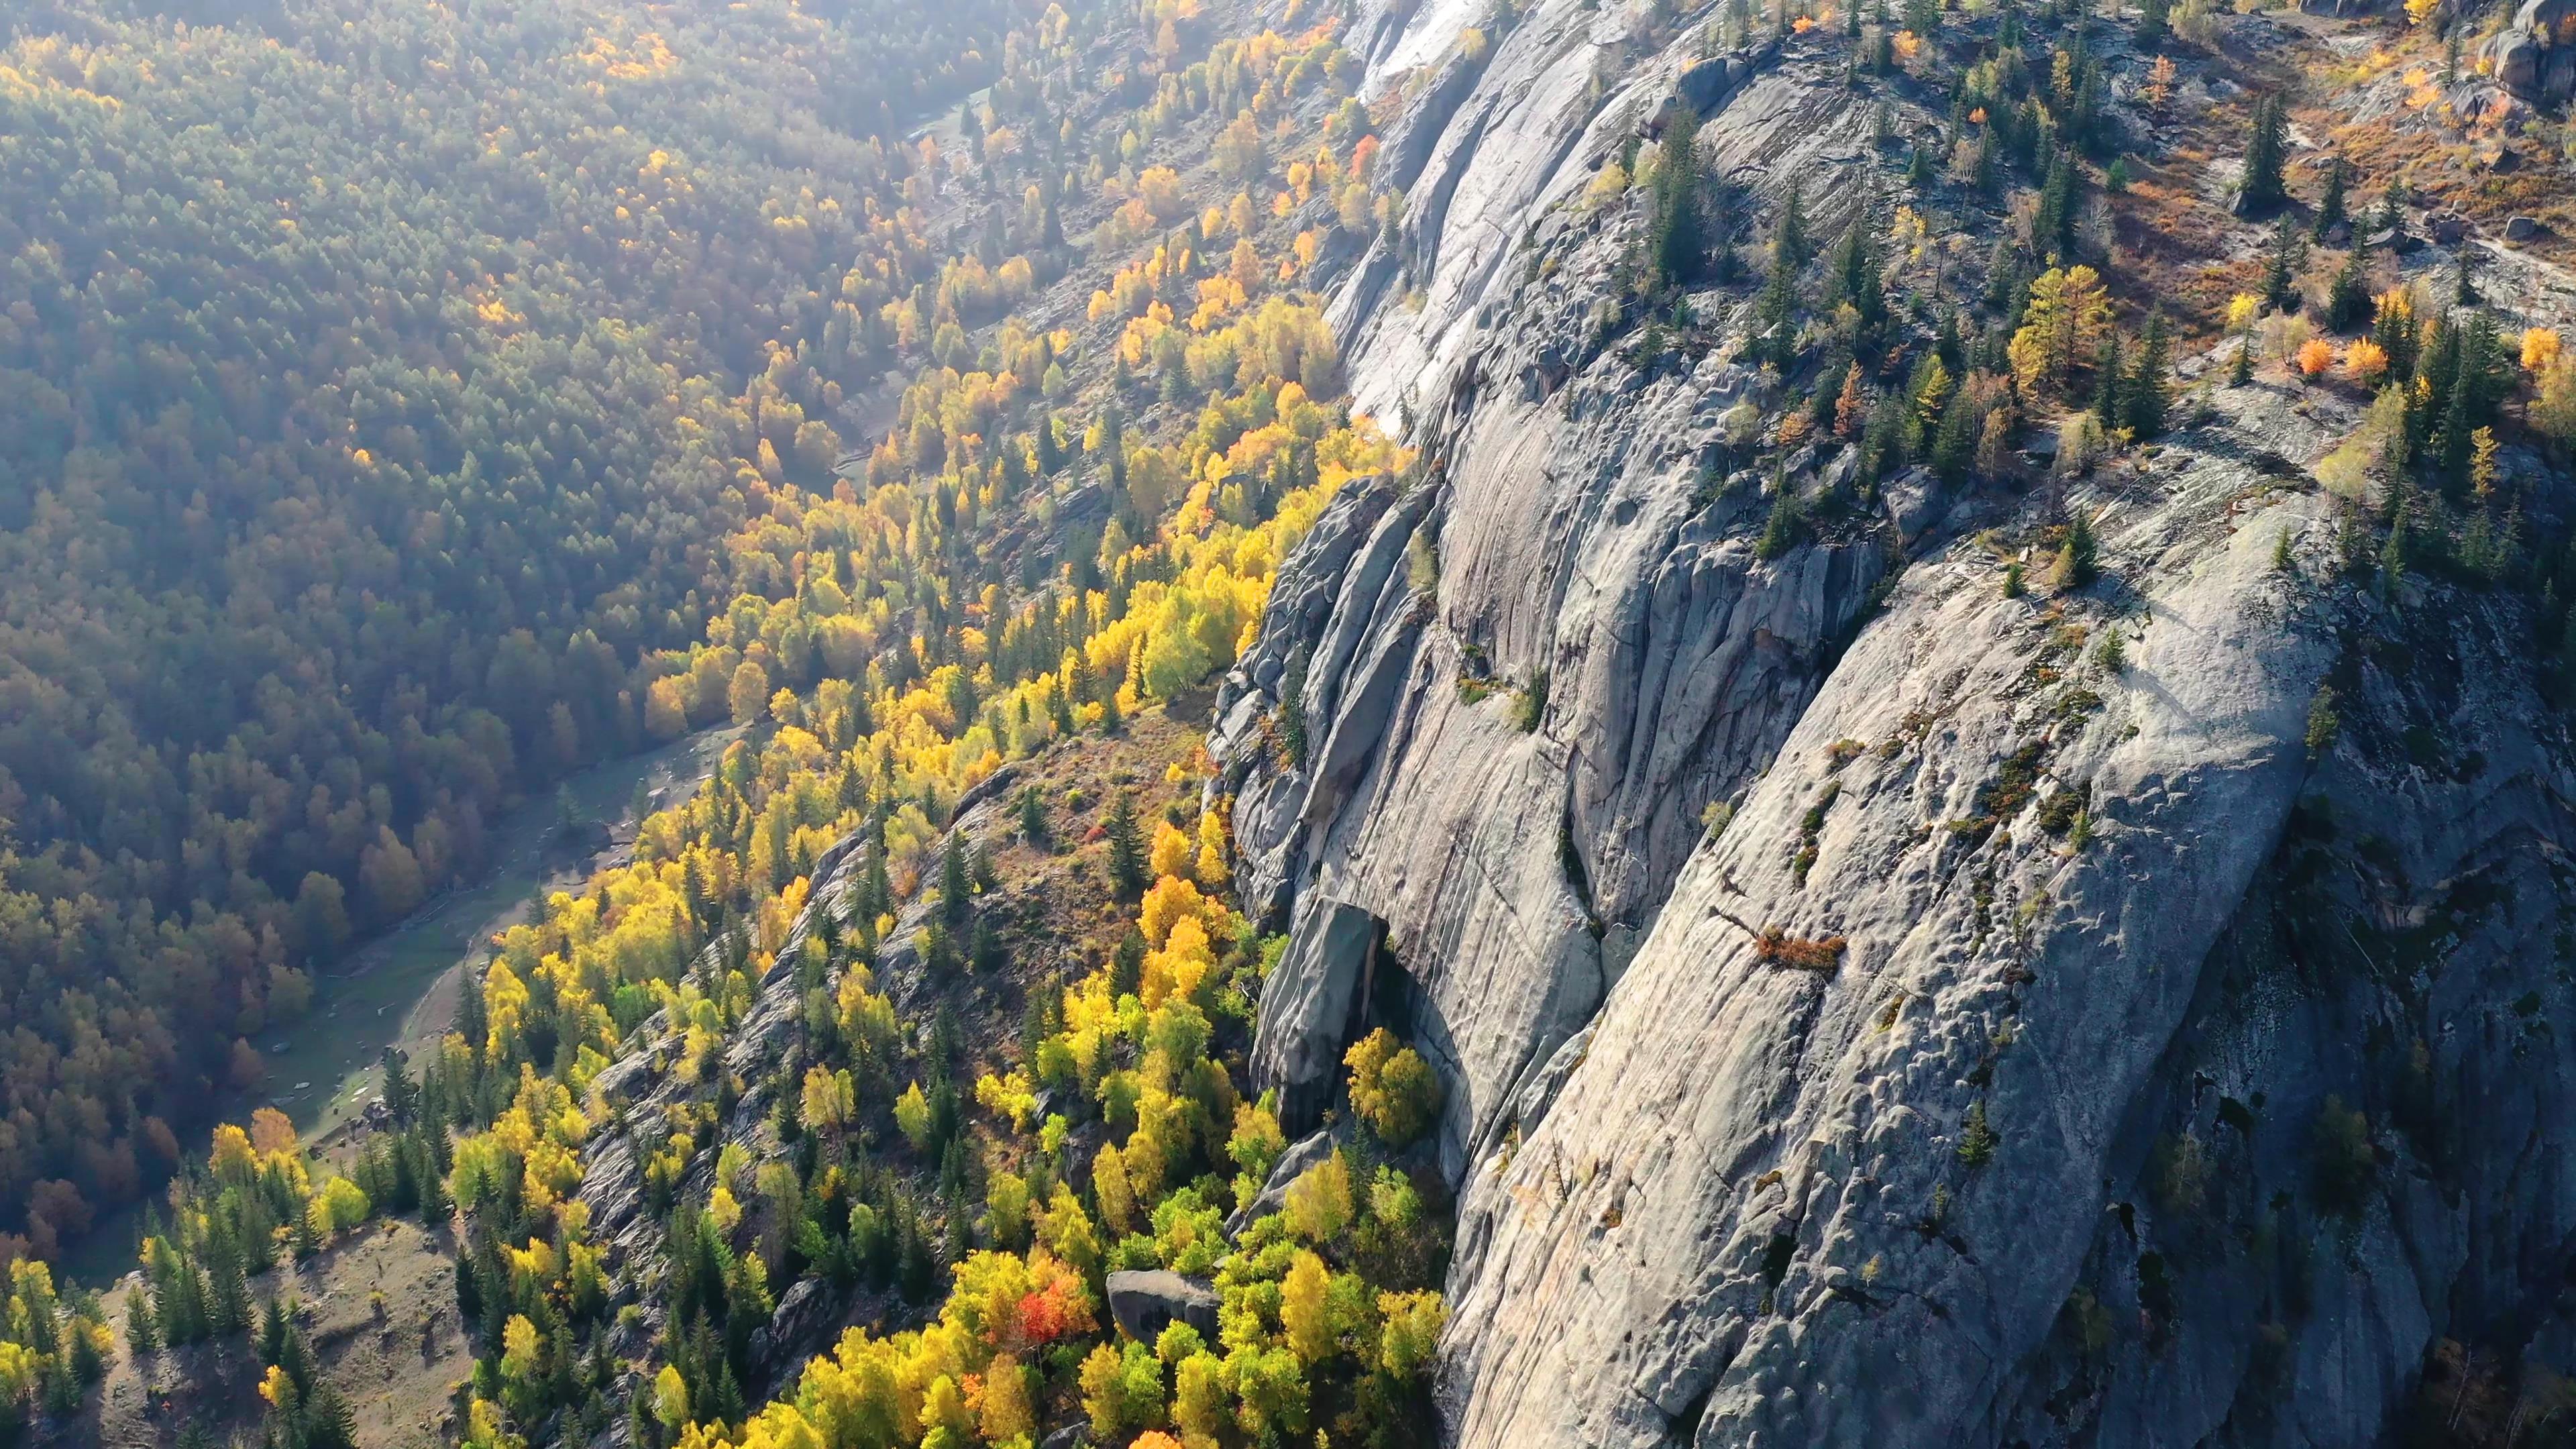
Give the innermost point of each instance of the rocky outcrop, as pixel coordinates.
(2050, 1048)
(1301, 1157)
(1313, 1002)
(1146, 1302)
(1544, 658)
(2534, 56)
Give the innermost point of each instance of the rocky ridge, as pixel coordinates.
(2049, 1048)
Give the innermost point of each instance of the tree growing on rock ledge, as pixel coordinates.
(1392, 1088)
(1676, 239)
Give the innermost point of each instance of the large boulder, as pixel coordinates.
(1146, 1303)
(1312, 1006)
(2534, 56)
(1301, 1157)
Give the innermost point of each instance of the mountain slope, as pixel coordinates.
(1989, 1075)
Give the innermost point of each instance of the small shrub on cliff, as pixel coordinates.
(2323, 722)
(2078, 557)
(1529, 704)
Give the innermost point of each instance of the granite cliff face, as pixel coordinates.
(2038, 1044)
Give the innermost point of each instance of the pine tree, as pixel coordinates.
(228, 1309)
(1292, 710)
(2109, 383)
(956, 896)
(141, 1334)
(879, 897)
(1852, 274)
(1789, 242)
(2450, 445)
(436, 1207)
(2078, 556)
(2281, 271)
(2330, 207)
(1675, 239)
(1777, 308)
(2262, 187)
(401, 1097)
(1954, 444)
(2392, 215)
(2055, 224)
(1043, 434)
(2148, 398)
(272, 1332)
(2348, 296)
(1126, 846)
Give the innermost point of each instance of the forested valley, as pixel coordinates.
(394, 395)
(1553, 722)
(425, 401)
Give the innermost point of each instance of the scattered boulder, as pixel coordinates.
(804, 1318)
(1293, 1164)
(2520, 228)
(1915, 500)
(1310, 1004)
(2449, 228)
(1145, 1303)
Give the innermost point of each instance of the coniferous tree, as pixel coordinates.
(956, 894)
(2077, 557)
(1776, 308)
(2330, 207)
(141, 1333)
(2348, 296)
(2055, 224)
(2148, 389)
(1789, 243)
(272, 1332)
(1675, 238)
(1126, 846)
(2281, 269)
(1292, 710)
(1853, 276)
(2391, 217)
(401, 1097)
(228, 1306)
(2109, 382)
(2265, 151)
(1954, 443)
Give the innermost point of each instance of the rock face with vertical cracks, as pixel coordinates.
(1525, 675)
(2051, 1048)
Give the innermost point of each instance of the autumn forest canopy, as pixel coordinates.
(383, 382)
